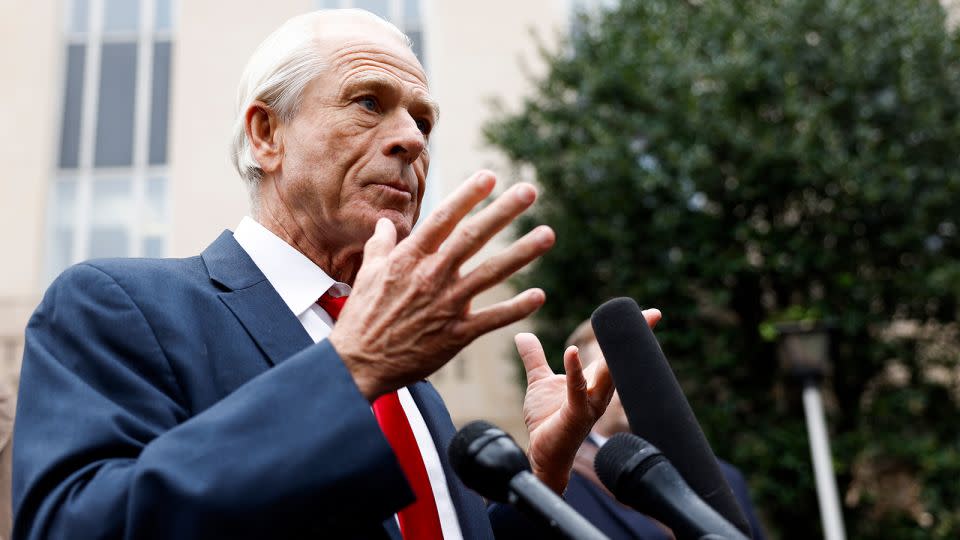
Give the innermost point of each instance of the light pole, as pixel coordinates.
(804, 348)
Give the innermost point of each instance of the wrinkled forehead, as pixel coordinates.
(374, 62)
(350, 56)
(342, 34)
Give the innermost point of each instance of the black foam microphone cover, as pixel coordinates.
(489, 461)
(655, 405)
(638, 474)
(486, 459)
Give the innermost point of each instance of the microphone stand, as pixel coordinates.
(831, 517)
(804, 349)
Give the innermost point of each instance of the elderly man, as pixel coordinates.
(591, 498)
(229, 394)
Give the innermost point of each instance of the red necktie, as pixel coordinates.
(332, 304)
(420, 520)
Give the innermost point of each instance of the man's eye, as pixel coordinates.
(369, 103)
(424, 126)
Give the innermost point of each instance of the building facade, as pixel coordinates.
(122, 114)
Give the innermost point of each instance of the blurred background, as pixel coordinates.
(739, 164)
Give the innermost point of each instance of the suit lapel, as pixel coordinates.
(392, 529)
(254, 302)
(471, 510)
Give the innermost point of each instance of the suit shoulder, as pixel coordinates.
(146, 267)
(136, 274)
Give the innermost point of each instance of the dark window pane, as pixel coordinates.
(161, 99)
(108, 242)
(115, 109)
(153, 247)
(72, 106)
(121, 15)
(163, 18)
(380, 7)
(79, 13)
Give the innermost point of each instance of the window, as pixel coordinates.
(403, 13)
(108, 197)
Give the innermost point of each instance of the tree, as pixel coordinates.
(738, 162)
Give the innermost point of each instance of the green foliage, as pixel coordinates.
(737, 161)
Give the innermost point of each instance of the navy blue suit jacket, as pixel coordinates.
(180, 398)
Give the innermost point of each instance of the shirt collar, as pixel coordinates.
(599, 439)
(297, 280)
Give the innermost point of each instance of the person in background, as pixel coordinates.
(587, 494)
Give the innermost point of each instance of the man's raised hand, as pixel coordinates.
(409, 312)
(560, 410)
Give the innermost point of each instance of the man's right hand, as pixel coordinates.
(409, 312)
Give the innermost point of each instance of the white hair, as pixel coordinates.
(278, 72)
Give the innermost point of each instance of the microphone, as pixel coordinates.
(640, 476)
(655, 405)
(490, 463)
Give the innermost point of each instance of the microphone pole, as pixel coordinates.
(831, 517)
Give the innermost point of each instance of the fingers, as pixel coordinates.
(383, 240)
(534, 359)
(476, 231)
(441, 222)
(501, 314)
(600, 384)
(652, 316)
(504, 264)
(576, 383)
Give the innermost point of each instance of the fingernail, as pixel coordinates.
(486, 179)
(544, 234)
(526, 194)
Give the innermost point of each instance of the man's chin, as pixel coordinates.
(402, 222)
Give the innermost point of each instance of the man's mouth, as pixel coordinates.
(397, 188)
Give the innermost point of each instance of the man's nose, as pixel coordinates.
(404, 139)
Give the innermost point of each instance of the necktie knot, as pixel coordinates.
(332, 304)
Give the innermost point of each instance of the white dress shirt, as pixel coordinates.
(300, 283)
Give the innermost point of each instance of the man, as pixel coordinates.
(214, 397)
(590, 497)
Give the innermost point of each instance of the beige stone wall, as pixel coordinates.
(30, 61)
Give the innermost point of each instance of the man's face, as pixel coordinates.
(356, 149)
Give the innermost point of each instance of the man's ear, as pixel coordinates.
(262, 127)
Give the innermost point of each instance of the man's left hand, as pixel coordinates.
(560, 410)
